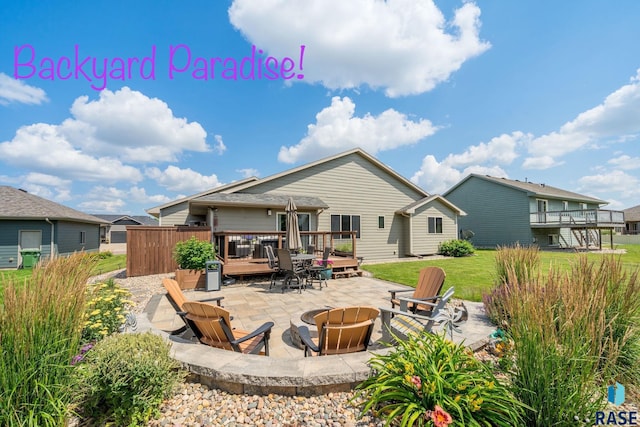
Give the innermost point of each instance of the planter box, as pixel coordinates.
(190, 279)
(326, 273)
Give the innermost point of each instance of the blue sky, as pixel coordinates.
(543, 90)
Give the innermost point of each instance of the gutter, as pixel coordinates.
(52, 246)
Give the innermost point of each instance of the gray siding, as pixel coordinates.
(498, 215)
(425, 243)
(253, 219)
(9, 240)
(175, 215)
(351, 185)
(68, 237)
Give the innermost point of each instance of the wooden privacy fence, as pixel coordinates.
(150, 248)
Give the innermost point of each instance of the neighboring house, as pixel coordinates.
(116, 229)
(31, 223)
(632, 220)
(348, 192)
(502, 211)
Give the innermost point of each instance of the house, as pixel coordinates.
(116, 229)
(30, 224)
(344, 200)
(632, 220)
(502, 211)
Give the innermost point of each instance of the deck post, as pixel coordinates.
(226, 248)
(353, 244)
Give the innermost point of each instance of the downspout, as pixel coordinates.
(52, 245)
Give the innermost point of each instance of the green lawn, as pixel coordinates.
(112, 263)
(474, 275)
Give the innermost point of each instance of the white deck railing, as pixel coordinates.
(587, 217)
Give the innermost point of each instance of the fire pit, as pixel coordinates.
(307, 320)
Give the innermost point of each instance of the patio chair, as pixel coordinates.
(212, 326)
(402, 323)
(273, 264)
(316, 271)
(177, 299)
(291, 270)
(340, 331)
(429, 285)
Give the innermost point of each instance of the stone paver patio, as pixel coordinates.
(286, 370)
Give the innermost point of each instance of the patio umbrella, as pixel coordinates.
(292, 234)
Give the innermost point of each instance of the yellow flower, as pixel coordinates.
(457, 398)
(95, 312)
(491, 385)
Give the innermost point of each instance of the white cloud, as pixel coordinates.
(248, 172)
(101, 199)
(436, 177)
(542, 162)
(175, 179)
(616, 119)
(104, 136)
(132, 127)
(336, 129)
(41, 148)
(626, 162)
(219, 147)
(12, 90)
(614, 182)
(406, 47)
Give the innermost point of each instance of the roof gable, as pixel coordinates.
(155, 211)
(411, 208)
(632, 214)
(356, 151)
(531, 188)
(18, 204)
(253, 181)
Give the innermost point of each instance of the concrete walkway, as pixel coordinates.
(287, 371)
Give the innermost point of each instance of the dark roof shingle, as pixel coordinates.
(18, 204)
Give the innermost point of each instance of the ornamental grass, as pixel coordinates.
(40, 331)
(574, 333)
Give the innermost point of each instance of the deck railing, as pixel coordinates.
(577, 218)
(236, 245)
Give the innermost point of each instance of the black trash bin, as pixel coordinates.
(30, 258)
(213, 273)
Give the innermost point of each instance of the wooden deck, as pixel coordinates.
(257, 266)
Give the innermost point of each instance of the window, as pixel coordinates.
(435, 225)
(345, 223)
(83, 237)
(583, 206)
(565, 205)
(380, 222)
(553, 239)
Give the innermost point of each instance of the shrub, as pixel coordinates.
(344, 247)
(427, 377)
(40, 333)
(193, 254)
(105, 254)
(106, 309)
(456, 248)
(126, 377)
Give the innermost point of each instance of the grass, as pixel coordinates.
(112, 263)
(474, 275)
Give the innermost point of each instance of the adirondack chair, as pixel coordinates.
(401, 323)
(340, 330)
(427, 289)
(212, 326)
(177, 299)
